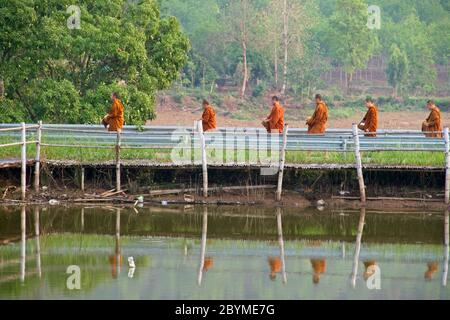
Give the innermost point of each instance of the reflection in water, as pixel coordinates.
(203, 246)
(432, 268)
(281, 242)
(318, 266)
(38, 242)
(23, 256)
(369, 267)
(82, 219)
(446, 249)
(116, 259)
(275, 267)
(359, 234)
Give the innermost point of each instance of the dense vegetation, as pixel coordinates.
(288, 44)
(54, 72)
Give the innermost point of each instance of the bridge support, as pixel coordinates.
(23, 177)
(282, 162)
(37, 165)
(447, 166)
(204, 159)
(362, 187)
(118, 146)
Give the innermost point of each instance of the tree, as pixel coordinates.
(397, 69)
(351, 43)
(59, 74)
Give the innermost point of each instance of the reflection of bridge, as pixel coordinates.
(227, 147)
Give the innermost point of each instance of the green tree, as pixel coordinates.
(351, 42)
(397, 69)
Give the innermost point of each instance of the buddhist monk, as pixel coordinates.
(432, 269)
(433, 124)
(274, 123)
(115, 119)
(209, 117)
(275, 267)
(370, 122)
(318, 122)
(318, 266)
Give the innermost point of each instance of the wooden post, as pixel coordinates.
(24, 162)
(447, 166)
(82, 179)
(37, 165)
(362, 188)
(118, 145)
(282, 162)
(204, 160)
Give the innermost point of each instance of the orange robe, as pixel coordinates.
(115, 118)
(209, 119)
(370, 122)
(317, 124)
(432, 269)
(275, 121)
(275, 265)
(433, 124)
(319, 266)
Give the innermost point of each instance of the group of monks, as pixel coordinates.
(274, 123)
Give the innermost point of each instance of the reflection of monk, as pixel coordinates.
(368, 265)
(319, 266)
(432, 269)
(275, 267)
(115, 261)
(209, 263)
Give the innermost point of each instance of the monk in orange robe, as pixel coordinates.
(275, 267)
(274, 123)
(209, 117)
(317, 124)
(433, 124)
(370, 122)
(319, 266)
(115, 118)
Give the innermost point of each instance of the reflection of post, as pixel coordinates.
(118, 251)
(281, 242)
(203, 245)
(446, 250)
(82, 219)
(38, 243)
(23, 230)
(358, 246)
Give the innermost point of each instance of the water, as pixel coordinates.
(222, 253)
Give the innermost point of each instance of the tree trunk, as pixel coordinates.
(245, 69)
(349, 79)
(276, 66)
(285, 43)
(2, 88)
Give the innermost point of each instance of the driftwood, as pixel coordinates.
(387, 198)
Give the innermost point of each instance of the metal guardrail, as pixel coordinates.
(248, 139)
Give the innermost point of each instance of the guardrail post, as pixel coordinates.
(37, 165)
(204, 160)
(282, 162)
(362, 188)
(24, 162)
(447, 166)
(118, 146)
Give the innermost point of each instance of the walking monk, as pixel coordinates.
(274, 123)
(114, 120)
(209, 117)
(433, 124)
(370, 122)
(317, 124)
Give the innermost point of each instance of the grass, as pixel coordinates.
(435, 159)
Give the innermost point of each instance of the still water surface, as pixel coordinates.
(222, 253)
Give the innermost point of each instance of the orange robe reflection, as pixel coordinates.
(208, 264)
(369, 271)
(318, 266)
(317, 124)
(275, 265)
(432, 269)
(433, 124)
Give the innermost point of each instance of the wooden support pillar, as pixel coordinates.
(362, 188)
(37, 165)
(282, 162)
(447, 166)
(118, 146)
(24, 162)
(82, 179)
(204, 160)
